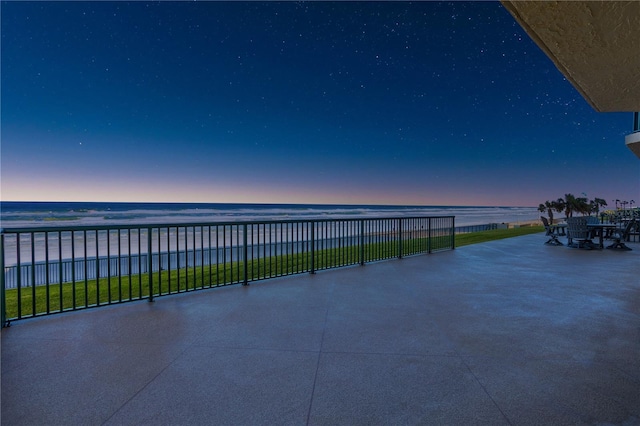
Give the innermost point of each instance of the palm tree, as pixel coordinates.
(547, 207)
(559, 205)
(578, 205)
(596, 203)
(550, 207)
(569, 204)
(583, 206)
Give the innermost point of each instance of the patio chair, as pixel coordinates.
(577, 230)
(593, 220)
(551, 233)
(620, 235)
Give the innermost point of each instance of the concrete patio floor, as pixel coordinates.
(506, 332)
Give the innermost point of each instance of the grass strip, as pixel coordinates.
(495, 234)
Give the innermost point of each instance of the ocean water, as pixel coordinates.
(54, 214)
(36, 247)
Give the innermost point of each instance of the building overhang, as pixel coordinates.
(633, 143)
(595, 44)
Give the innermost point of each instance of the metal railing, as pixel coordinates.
(52, 270)
(475, 228)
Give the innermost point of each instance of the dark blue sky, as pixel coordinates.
(322, 102)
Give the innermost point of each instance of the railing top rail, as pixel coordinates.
(35, 229)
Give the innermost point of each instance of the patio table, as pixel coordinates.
(599, 230)
(560, 229)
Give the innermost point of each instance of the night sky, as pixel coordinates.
(424, 103)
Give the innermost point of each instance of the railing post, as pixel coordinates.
(399, 238)
(313, 247)
(429, 235)
(245, 255)
(149, 263)
(362, 242)
(453, 232)
(3, 300)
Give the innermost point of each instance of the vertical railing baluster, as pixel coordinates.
(178, 264)
(235, 242)
(361, 242)
(159, 263)
(224, 253)
(73, 270)
(339, 233)
(281, 250)
(342, 243)
(3, 297)
(86, 279)
(149, 263)
(292, 234)
(19, 274)
(168, 260)
(429, 235)
(217, 255)
(313, 247)
(98, 266)
(33, 274)
(262, 242)
(258, 275)
(336, 243)
(108, 259)
(294, 247)
(287, 248)
(201, 256)
(210, 260)
(119, 271)
(48, 278)
(290, 239)
(368, 239)
(178, 258)
(381, 237)
(268, 263)
(251, 242)
(273, 258)
(334, 252)
(130, 262)
(305, 246)
(453, 233)
(299, 246)
(276, 255)
(60, 268)
(139, 263)
(326, 245)
(193, 236)
(235, 253)
(245, 268)
(399, 238)
(238, 253)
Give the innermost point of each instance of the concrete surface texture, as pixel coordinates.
(507, 332)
